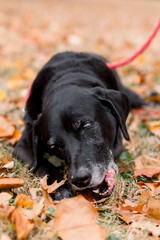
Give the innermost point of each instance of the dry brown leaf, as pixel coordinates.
(143, 197)
(8, 183)
(152, 186)
(152, 226)
(48, 202)
(76, 218)
(4, 236)
(144, 162)
(23, 201)
(34, 193)
(35, 211)
(6, 127)
(149, 172)
(4, 199)
(147, 166)
(22, 224)
(8, 165)
(51, 188)
(130, 206)
(129, 217)
(154, 208)
(15, 138)
(4, 158)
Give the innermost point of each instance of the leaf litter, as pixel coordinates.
(26, 208)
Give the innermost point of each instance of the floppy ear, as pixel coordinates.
(118, 103)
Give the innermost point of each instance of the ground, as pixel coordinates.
(30, 33)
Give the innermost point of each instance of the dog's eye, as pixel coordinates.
(77, 124)
(81, 124)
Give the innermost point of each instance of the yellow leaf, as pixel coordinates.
(23, 201)
(2, 95)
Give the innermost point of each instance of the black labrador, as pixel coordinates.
(76, 110)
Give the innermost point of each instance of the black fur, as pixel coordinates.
(76, 110)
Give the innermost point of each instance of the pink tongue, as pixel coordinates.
(109, 178)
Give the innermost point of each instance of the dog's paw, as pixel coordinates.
(65, 191)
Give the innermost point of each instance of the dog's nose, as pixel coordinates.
(81, 178)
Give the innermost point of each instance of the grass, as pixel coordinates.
(36, 30)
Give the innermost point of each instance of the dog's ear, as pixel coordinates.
(118, 103)
(37, 145)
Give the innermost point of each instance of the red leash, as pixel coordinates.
(127, 60)
(138, 52)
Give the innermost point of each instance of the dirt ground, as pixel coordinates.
(32, 31)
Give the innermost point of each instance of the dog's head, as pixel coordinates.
(82, 126)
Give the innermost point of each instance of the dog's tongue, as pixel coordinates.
(109, 179)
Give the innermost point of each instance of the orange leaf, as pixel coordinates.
(23, 201)
(152, 186)
(51, 188)
(155, 98)
(150, 172)
(8, 183)
(76, 218)
(48, 202)
(4, 158)
(22, 225)
(144, 197)
(153, 208)
(6, 127)
(15, 82)
(15, 138)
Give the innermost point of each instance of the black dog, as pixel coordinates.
(76, 110)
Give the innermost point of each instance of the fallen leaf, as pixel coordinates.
(144, 196)
(51, 188)
(147, 113)
(149, 172)
(154, 127)
(154, 208)
(8, 183)
(76, 218)
(48, 202)
(22, 224)
(4, 158)
(155, 98)
(144, 162)
(6, 127)
(146, 166)
(16, 82)
(8, 165)
(34, 193)
(4, 198)
(152, 186)
(35, 211)
(129, 217)
(143, 223)
(23, 201)
(15, 138)
(2, 95)
(4, 236)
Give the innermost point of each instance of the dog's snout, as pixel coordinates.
(81, 178)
